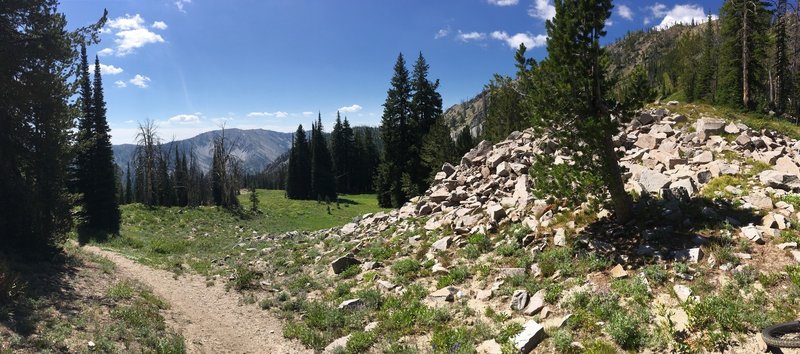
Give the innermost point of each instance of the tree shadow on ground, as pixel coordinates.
(40, 283)
(664, 229)
(347, 201)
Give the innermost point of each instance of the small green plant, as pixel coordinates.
(456, 276)
(507, 249)
(266, 303)
(452, 340)
(481, 241)
(350, 272)
(562, 341)
(244, 278)
(655, 274)
(122, 290)
(680, 267)
(360, 342)
(629, 329)
(406, 268)
(633, 288)
(746, 276)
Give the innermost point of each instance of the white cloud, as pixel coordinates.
(625, 12)
(129, 41)
(161, 25)
(106, 69)
(125, 23)
(181, 3)
(120, 84)
(105, 51)
(277, 114)
(683, 14)
(514, 41)
(140, 81)
(542, 9)
(350, 109)
(306, 113)
(131, 34)
(470, 36)
(441, 33)
(185, 118)
(609, 22)
(658, 9)
(504, 2)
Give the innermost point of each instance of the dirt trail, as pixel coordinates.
(209, 318)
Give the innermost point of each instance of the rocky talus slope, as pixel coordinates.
(709, 261)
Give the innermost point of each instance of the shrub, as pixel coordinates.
(350, 272)
(244, 278)
(628, 329)
(655, 274)
(455, 340)
(360, 342)
(406, 268)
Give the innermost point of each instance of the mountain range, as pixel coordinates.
(256, 148)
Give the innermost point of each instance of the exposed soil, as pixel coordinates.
(210, 318)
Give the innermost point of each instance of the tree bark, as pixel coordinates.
(745, 58)
(623, 206)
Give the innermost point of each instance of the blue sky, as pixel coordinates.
(192, 65)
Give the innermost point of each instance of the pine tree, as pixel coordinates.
(38, 53)
(782, 88)
(570, 106)
(323, 184)
(743, 28)
(298, 180)
(708, 64)
(339, 153)
(83, 178)
(396, 142)
(105, 214)
(349, 151)
(506, 99)
(128, 185)
(464, 142)
(438, 147)
(426, 111)
(180, 179)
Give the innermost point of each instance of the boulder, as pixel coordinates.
(653, 181)
(339, 343)
(342, 263)
(779, 180)
(645, 118)
(489, 347)
(703, 158)
(752, 233)
(441, 244)
(448, 169)
(519, 300)
(536, 303)
(682, 292)
(447, 293)
(618, 272)
(732, 129)
(710, 125)
(786, 164)
(692, 255)
(560, 238)
(496, 212)
(352, 304)
(646, 141)
(532, 334)
(759, 201)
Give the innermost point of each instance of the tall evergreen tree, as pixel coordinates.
(464, 142)
(396, 142)
(743, 28)
(705, 87)
(323, 184)
(426, 111)
(782, 84)
(341, 152)
(571, 105)
(38, 58)
(104, 208)
(298, 180)
(438, 147)
(506, 113)
(83, 177)
(128, 185)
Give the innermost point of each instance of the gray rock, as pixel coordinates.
(682, 292)
(510, 272)
(786, 164)
(779, 180)
(710, 126)
(532, 334)
(352, 304)
(496, 212)
(645, 118)
(519, 300)
(442, 244)
(536, 303)
(759, 201)
(653, 181)
(439, 195)
(691, 255)
(438, 269)
(752, 233)
(448, 169)
(447, 293)
(646, 141)
(386, 285)
(703, 158)
(339, 343)
(560, 238)
(732, 129)
(342, 263)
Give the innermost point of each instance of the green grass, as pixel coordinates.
(168, 236)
